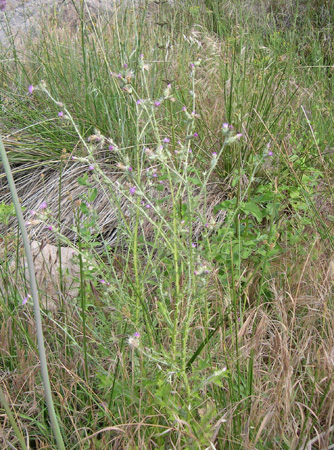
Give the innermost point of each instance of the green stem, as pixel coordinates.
(176, 268)
(11, 419)
(34, 293)
(82, 294)
(135, 231)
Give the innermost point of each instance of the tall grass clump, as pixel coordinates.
(176, 152)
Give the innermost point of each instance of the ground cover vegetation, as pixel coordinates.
(184, 152)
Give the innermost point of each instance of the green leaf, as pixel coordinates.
(252, 208)
(92, 195)
(84, 208)
(295, 193)
(195, 181)
(83, 181)
(165, 313)
(227, 204)
(6, 211)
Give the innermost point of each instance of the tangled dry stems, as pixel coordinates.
(112, 205)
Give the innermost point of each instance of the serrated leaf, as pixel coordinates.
(165, 313)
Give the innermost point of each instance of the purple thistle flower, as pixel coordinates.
(31, 89)
(49, 228)
(139, 101)
(214, 154)
(136, 335)
(60, 114)
(270, 153)
(148, 206)
(141, 56)
(43, 205)
(155, 175)
(184, 108)
(111, 147)
(102, 281)
(25, 299)
(193, 245)
(91, 167)
(166, 140)
(130, 169)
(132, 190)
(192, 65)
(125, 66)
(157, 104)
(195, 135)
(225, 127)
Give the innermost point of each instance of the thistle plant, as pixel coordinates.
(180, 167)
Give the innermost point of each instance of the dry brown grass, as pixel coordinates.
(289, 338)
(291, 341)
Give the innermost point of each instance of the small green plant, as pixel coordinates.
(6, 212)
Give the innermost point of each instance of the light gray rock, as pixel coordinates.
(46, 264)
(20, 18)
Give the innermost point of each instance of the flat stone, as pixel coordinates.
(47, 264)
